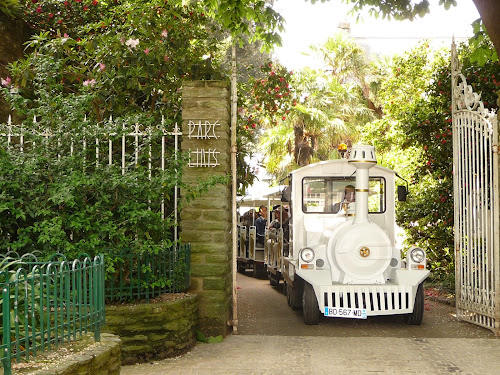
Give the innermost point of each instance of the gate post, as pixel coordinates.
(206, 221)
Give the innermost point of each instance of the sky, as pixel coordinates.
(308, 24)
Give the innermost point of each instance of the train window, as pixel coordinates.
(326, 195)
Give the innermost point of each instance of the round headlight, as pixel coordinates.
(307, 254)
(417, 255)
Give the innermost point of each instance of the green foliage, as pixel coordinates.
(200, 336)
(271, 97)
(397, 9)
(10, 8)
(481, 50)
(254, 18)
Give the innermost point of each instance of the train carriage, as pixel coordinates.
(251, 254)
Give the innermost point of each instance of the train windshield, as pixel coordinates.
(328, 195)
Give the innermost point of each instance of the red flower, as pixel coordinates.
(60, 21)
(39, 10)
(95, 2)
(85, 7)
(78, 1)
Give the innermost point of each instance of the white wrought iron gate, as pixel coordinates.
(476, 205)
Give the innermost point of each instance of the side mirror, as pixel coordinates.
(402, 193)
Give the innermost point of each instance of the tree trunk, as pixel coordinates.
(13, 33)
(489, 10)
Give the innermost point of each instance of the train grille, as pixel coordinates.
(375, 299)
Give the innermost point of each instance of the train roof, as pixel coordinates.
(341, 163)
(272, 194)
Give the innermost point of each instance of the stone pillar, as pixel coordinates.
(206, 222)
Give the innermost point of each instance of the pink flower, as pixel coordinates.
(146, 51)
(6, 82)
(132, 43)
(164, 34)
(102, 66)
(89, 82)
(166, 58)
(66, 35)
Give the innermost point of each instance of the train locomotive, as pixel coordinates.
(340, 258)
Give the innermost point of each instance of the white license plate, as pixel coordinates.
(336, 312)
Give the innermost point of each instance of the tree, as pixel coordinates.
(408, 9)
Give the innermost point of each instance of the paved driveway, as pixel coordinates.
(272, 340)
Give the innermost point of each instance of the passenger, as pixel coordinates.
(349, 197)
(276, 222)
(260, 225)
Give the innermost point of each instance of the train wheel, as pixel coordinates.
(272, 280)
(255, 271)
(415, 318)
(288, 291)
(293, 297)
(310, 307)
(241, 268)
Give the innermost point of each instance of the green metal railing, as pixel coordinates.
(45, 304)
(145, 276)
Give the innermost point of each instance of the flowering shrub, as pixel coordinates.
(130, 57)
(272, 97)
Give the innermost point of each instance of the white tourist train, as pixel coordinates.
(337, 253)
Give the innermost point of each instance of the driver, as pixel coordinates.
(349, 197)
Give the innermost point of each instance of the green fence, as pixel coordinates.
(132, 276)
(45, 304)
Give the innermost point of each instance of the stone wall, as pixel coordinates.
(84, 356)
(154, 330)
(206, 222)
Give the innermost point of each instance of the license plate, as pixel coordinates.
(335, 312)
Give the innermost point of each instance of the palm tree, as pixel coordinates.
(326, 115)
(346, 60)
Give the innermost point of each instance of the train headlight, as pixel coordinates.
(307, 254)
(417, 255)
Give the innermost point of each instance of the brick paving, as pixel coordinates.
(294, 355)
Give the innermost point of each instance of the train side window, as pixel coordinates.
(376, 195)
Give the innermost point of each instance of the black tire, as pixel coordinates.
(294, 296)
(415, 318)
(241, 268)
(310, 308)
(272, 280)
(255, 271)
